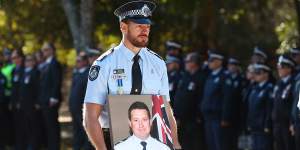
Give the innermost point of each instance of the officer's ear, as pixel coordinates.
(123, 27)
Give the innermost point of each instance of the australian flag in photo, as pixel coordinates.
(160, 124)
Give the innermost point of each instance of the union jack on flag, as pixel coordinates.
(160, 123)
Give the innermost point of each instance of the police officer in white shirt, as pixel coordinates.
(129, 68)
(140, 125)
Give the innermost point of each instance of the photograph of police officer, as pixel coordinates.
(139, 120)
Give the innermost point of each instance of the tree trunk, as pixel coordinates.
(87, 23)
(81, 22)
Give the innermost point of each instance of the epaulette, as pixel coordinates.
(122, 140)
(103, 56)
(155, 54)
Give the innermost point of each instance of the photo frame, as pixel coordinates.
(118, 113)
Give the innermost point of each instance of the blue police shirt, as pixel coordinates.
(111, 74)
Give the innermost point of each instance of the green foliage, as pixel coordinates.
(229, 25)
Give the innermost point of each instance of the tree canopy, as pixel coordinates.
(234, 26)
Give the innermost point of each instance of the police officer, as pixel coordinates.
(92, 54)
(77, 93)
(283, 100)
(232, 103)
(295, 54)
(140, 124)
(260, 109)
(174, 75)
(187, 98)
(212, 105)
(18, 59)
(50, 95)
(129, 68)
(29, 89)
(174, 49)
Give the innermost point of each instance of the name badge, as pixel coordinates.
(191, 86)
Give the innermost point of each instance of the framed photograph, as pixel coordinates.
(118, 106)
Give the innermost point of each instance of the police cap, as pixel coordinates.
(260, 52)
(233, 61)
(285, 60)
(192, 57)
(213, 54)
(139, 12)
(172, 45)
(295, 50)
(258, 67)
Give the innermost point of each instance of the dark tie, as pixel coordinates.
(136, 76)
(144, 144)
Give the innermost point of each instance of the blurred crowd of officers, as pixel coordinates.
(220, 107)
(30, 97)
(215, 103)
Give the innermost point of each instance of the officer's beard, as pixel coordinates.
(138, 43)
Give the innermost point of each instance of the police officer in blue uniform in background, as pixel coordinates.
(174, 75)
(188, 96)
(77, 93)
(212, 105)
(260, 109)
(295, 54)
(232, 103)
(282, 105)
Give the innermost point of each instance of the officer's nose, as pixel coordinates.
(141, 124)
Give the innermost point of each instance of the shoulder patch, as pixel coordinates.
(103, 56)
(94, 72)
(155, 54)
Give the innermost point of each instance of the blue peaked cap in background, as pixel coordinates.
(139, 12)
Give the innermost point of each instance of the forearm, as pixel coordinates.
(95, 134)
(91, 113)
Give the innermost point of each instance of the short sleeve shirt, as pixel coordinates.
(111, 74)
